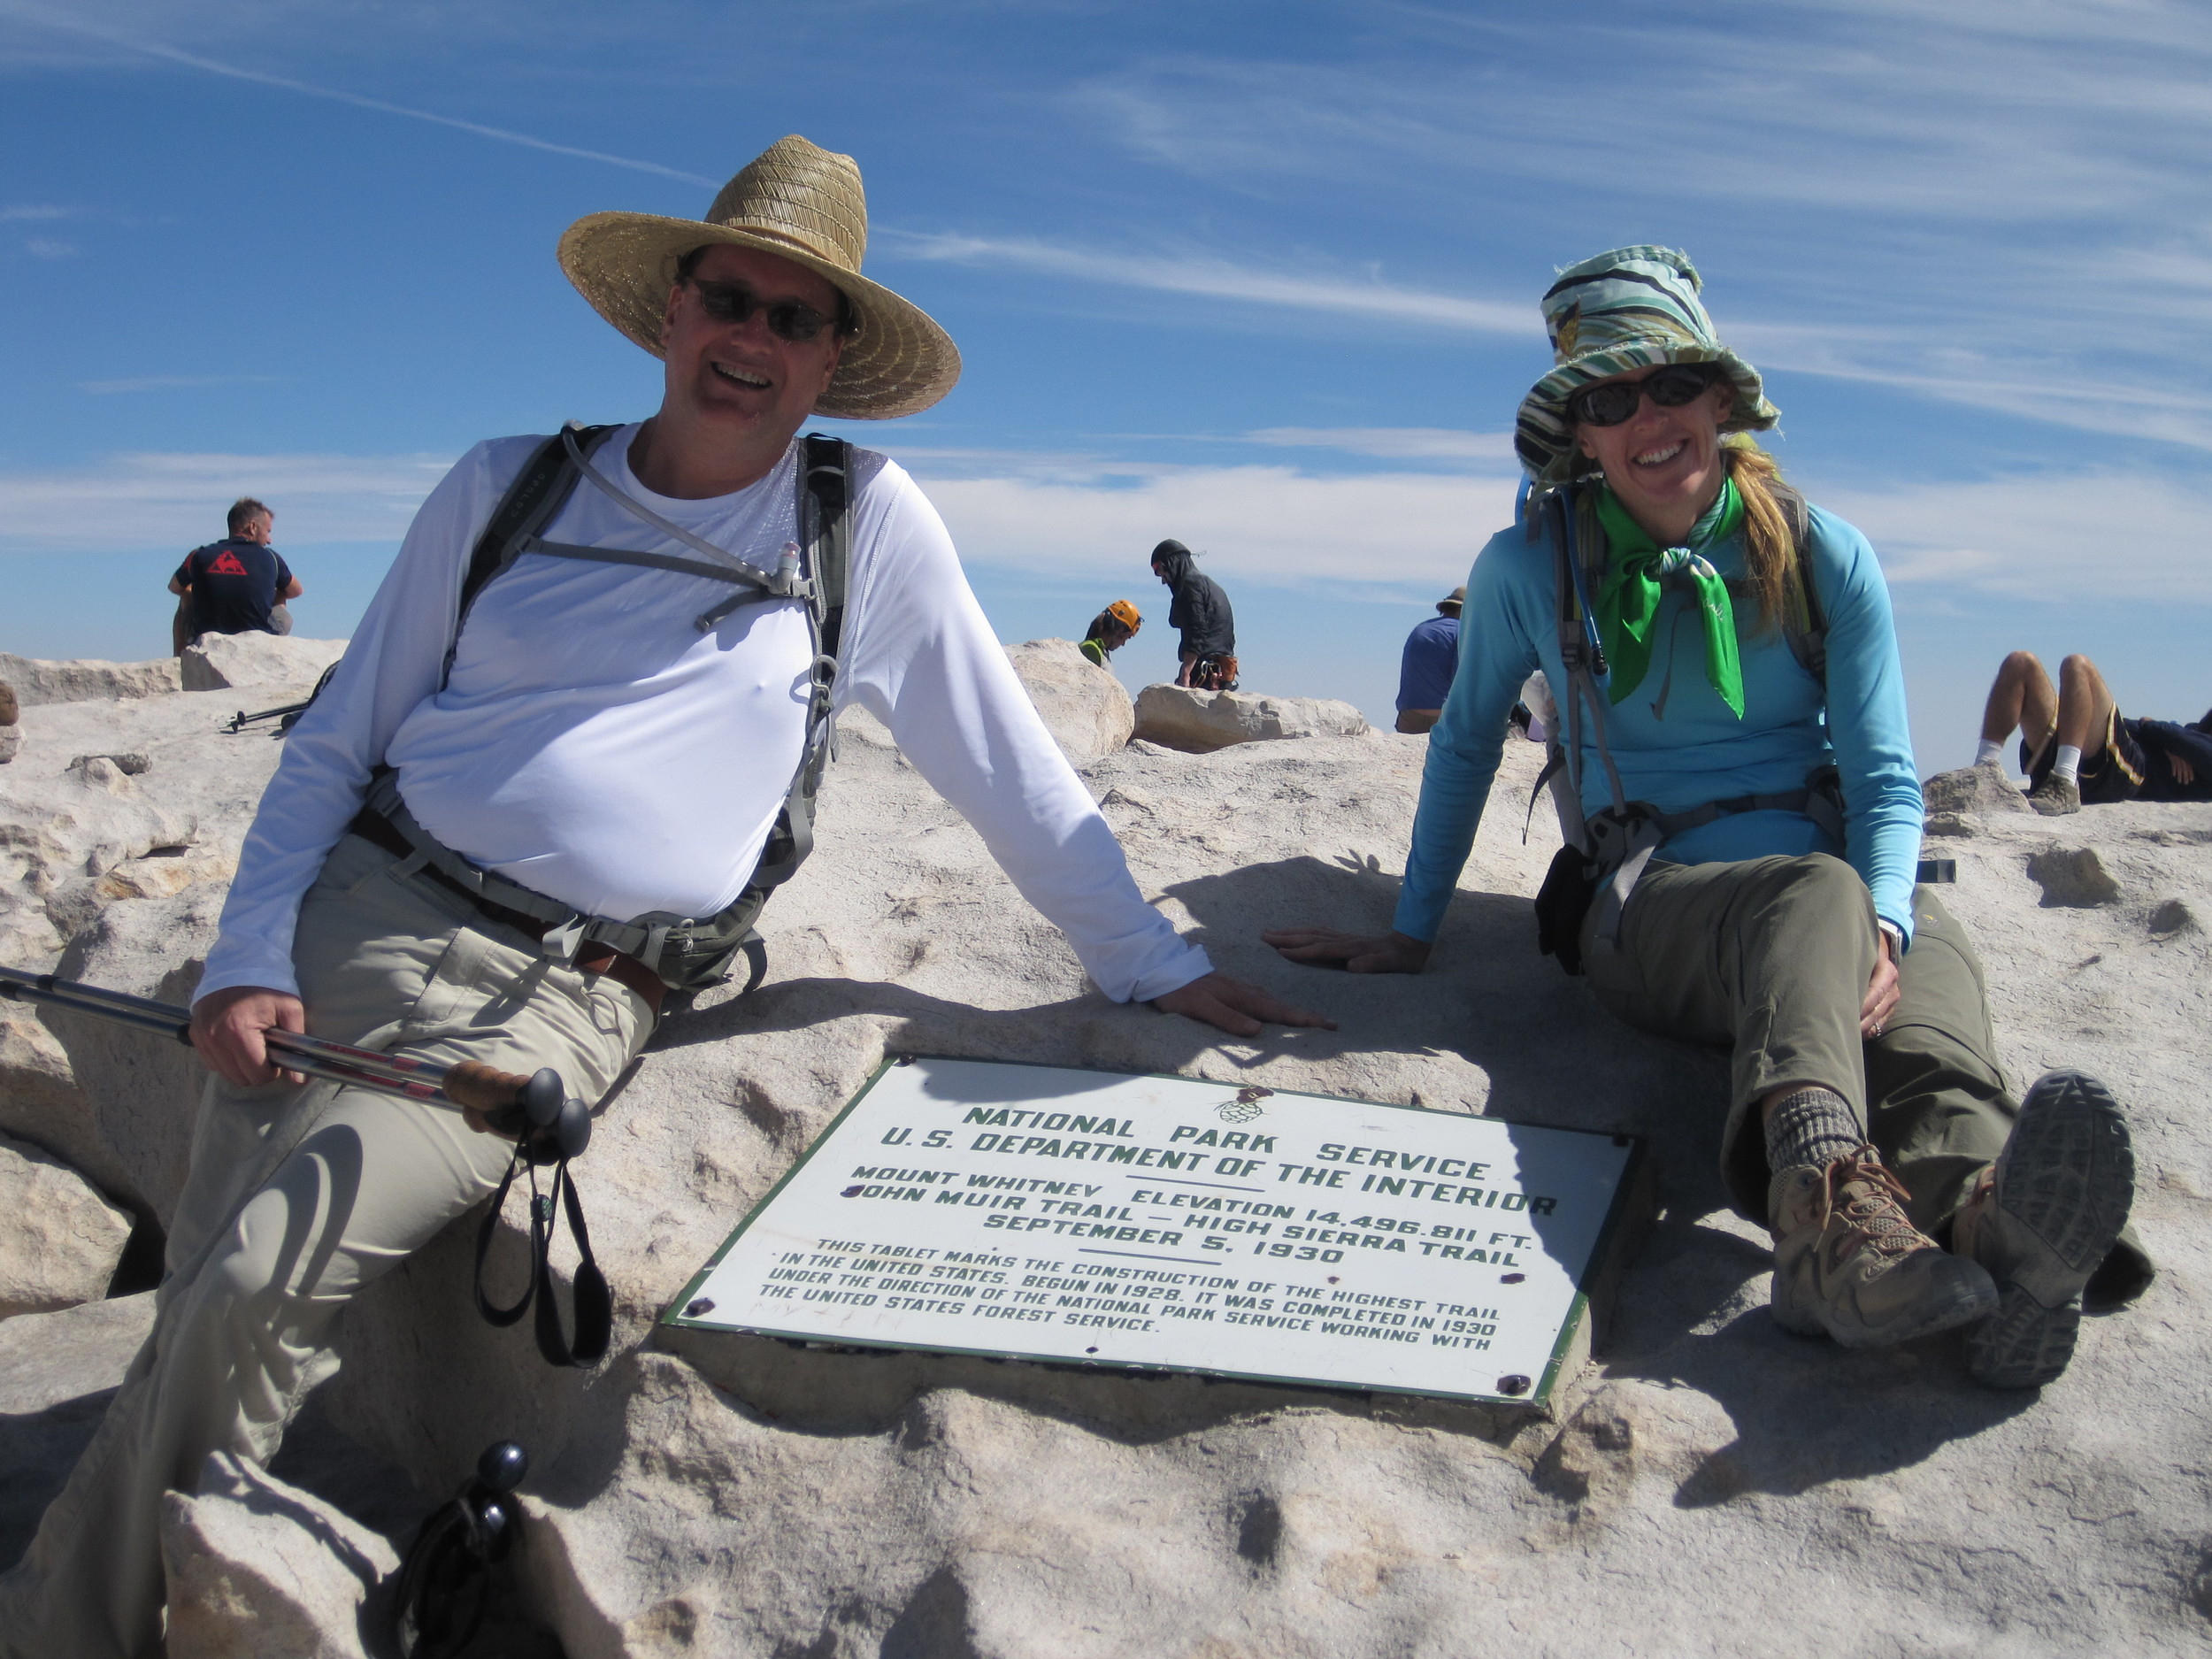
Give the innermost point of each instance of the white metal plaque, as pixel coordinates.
(1085, 1217)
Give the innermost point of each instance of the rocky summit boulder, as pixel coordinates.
(259, 1569)
(1083, 704)
(36, 681)
(1708, 1484)
(217, 661)
(1973, 789)
(59, 1239)
(1199, 722)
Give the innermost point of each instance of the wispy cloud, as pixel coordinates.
(127, 503)
(32, 213)
(49, 247)
(2077, 538)
(1401, 443)
(1223, 279)
(1265, 526)
(168, 382)
(2081, 537)
(1985, 202)
(193, 60)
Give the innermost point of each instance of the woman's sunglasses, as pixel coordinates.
(1670, 387)
(735, 302)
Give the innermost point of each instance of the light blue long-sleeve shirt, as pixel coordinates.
(1675, 742)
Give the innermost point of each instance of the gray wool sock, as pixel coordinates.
(1811, 1126)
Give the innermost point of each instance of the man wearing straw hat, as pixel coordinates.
(601, 733)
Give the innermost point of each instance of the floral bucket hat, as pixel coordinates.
(1633, 308)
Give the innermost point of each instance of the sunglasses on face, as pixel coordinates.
(735, 302)
(1670, 387)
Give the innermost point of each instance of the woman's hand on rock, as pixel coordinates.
(226, 1027)
(1361, 953)
(1235, 1007)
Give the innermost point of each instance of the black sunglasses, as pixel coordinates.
(735, 302)
(1670, 387)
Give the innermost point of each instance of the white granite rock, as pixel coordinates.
(1712, 1484)
(1985, 787)
(38, 681)
(57, 1372)
(1200, 722)
(217, 661)
(1083, 704)
(260, 1570)
(59, 1239)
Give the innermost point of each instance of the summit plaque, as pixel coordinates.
(1088, 1218)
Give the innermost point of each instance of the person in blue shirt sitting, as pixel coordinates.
(1744, 823)
(1426, 670)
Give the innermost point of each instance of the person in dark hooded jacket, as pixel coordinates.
(1200, 612)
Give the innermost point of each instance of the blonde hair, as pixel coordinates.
(1769, 537)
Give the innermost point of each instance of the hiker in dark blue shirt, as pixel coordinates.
(1431, 659)
(235, 585)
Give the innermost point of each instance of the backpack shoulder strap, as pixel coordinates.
(539, 491)
(1804, 623)
(825, 520)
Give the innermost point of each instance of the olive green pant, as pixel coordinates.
(1772, 957)
(297, 1199)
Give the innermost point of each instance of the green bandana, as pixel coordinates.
(1628, 599)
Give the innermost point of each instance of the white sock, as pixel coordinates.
(2068, 763)
(1992, 747)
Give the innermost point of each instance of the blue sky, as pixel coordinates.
(1261, 277)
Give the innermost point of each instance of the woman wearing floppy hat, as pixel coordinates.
(1746, 820)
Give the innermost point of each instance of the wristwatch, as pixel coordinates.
(1896, 938)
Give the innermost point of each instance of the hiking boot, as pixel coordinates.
(2055, 796)
(1848, 1263)
(2044, 1217)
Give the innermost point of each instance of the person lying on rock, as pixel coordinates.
(1743, 868)
(600, 739)
(2078, 751)
(1208, 651)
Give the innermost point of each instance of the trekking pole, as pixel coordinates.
(493, 1102)
(240, 720)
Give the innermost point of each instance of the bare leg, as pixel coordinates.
(2023, 698)
(2084, 706)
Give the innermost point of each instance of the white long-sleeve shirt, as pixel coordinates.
(592, 745)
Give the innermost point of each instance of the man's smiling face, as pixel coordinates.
(742, 377)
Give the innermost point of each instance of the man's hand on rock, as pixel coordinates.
(226, 1027)
(1235, 1007)
(1361, 953)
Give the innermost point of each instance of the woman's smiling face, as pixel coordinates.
(1664, 464)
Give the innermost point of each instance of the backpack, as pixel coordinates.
(690, 954)
(1602, 855)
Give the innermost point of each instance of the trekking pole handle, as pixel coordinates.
(500, 1103)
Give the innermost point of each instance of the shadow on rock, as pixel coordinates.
(1806, 1412)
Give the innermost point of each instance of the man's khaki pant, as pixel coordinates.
(298, 1199)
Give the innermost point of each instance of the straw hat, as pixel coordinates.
(805, 204)
(1633, 308)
